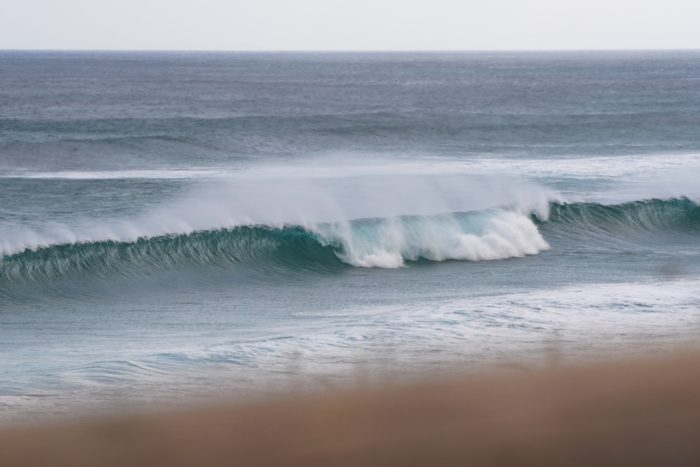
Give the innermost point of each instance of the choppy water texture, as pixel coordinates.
(171, 223)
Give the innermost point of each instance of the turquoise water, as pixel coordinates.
(173, 223)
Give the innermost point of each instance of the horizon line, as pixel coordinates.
(670, 49)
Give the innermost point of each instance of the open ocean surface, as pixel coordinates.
(172, 223)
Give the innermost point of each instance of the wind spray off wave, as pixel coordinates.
(304, 223)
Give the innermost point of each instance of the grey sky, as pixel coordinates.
(349, 24)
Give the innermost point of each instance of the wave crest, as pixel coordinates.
(369, 243)
(382, 243)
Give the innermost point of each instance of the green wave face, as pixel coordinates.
(252, 245)
(655, 215)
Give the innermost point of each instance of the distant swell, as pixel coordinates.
(380, 242)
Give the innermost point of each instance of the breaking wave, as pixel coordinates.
(375, 242)
(379, 242)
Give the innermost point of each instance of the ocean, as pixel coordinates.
(179, 223)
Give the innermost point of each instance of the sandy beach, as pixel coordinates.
(633, 412)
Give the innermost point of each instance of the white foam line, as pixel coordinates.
(184, 173)
(354, 165)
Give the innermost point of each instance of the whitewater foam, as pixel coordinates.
(388, 244)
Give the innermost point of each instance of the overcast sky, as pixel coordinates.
(349, 24)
